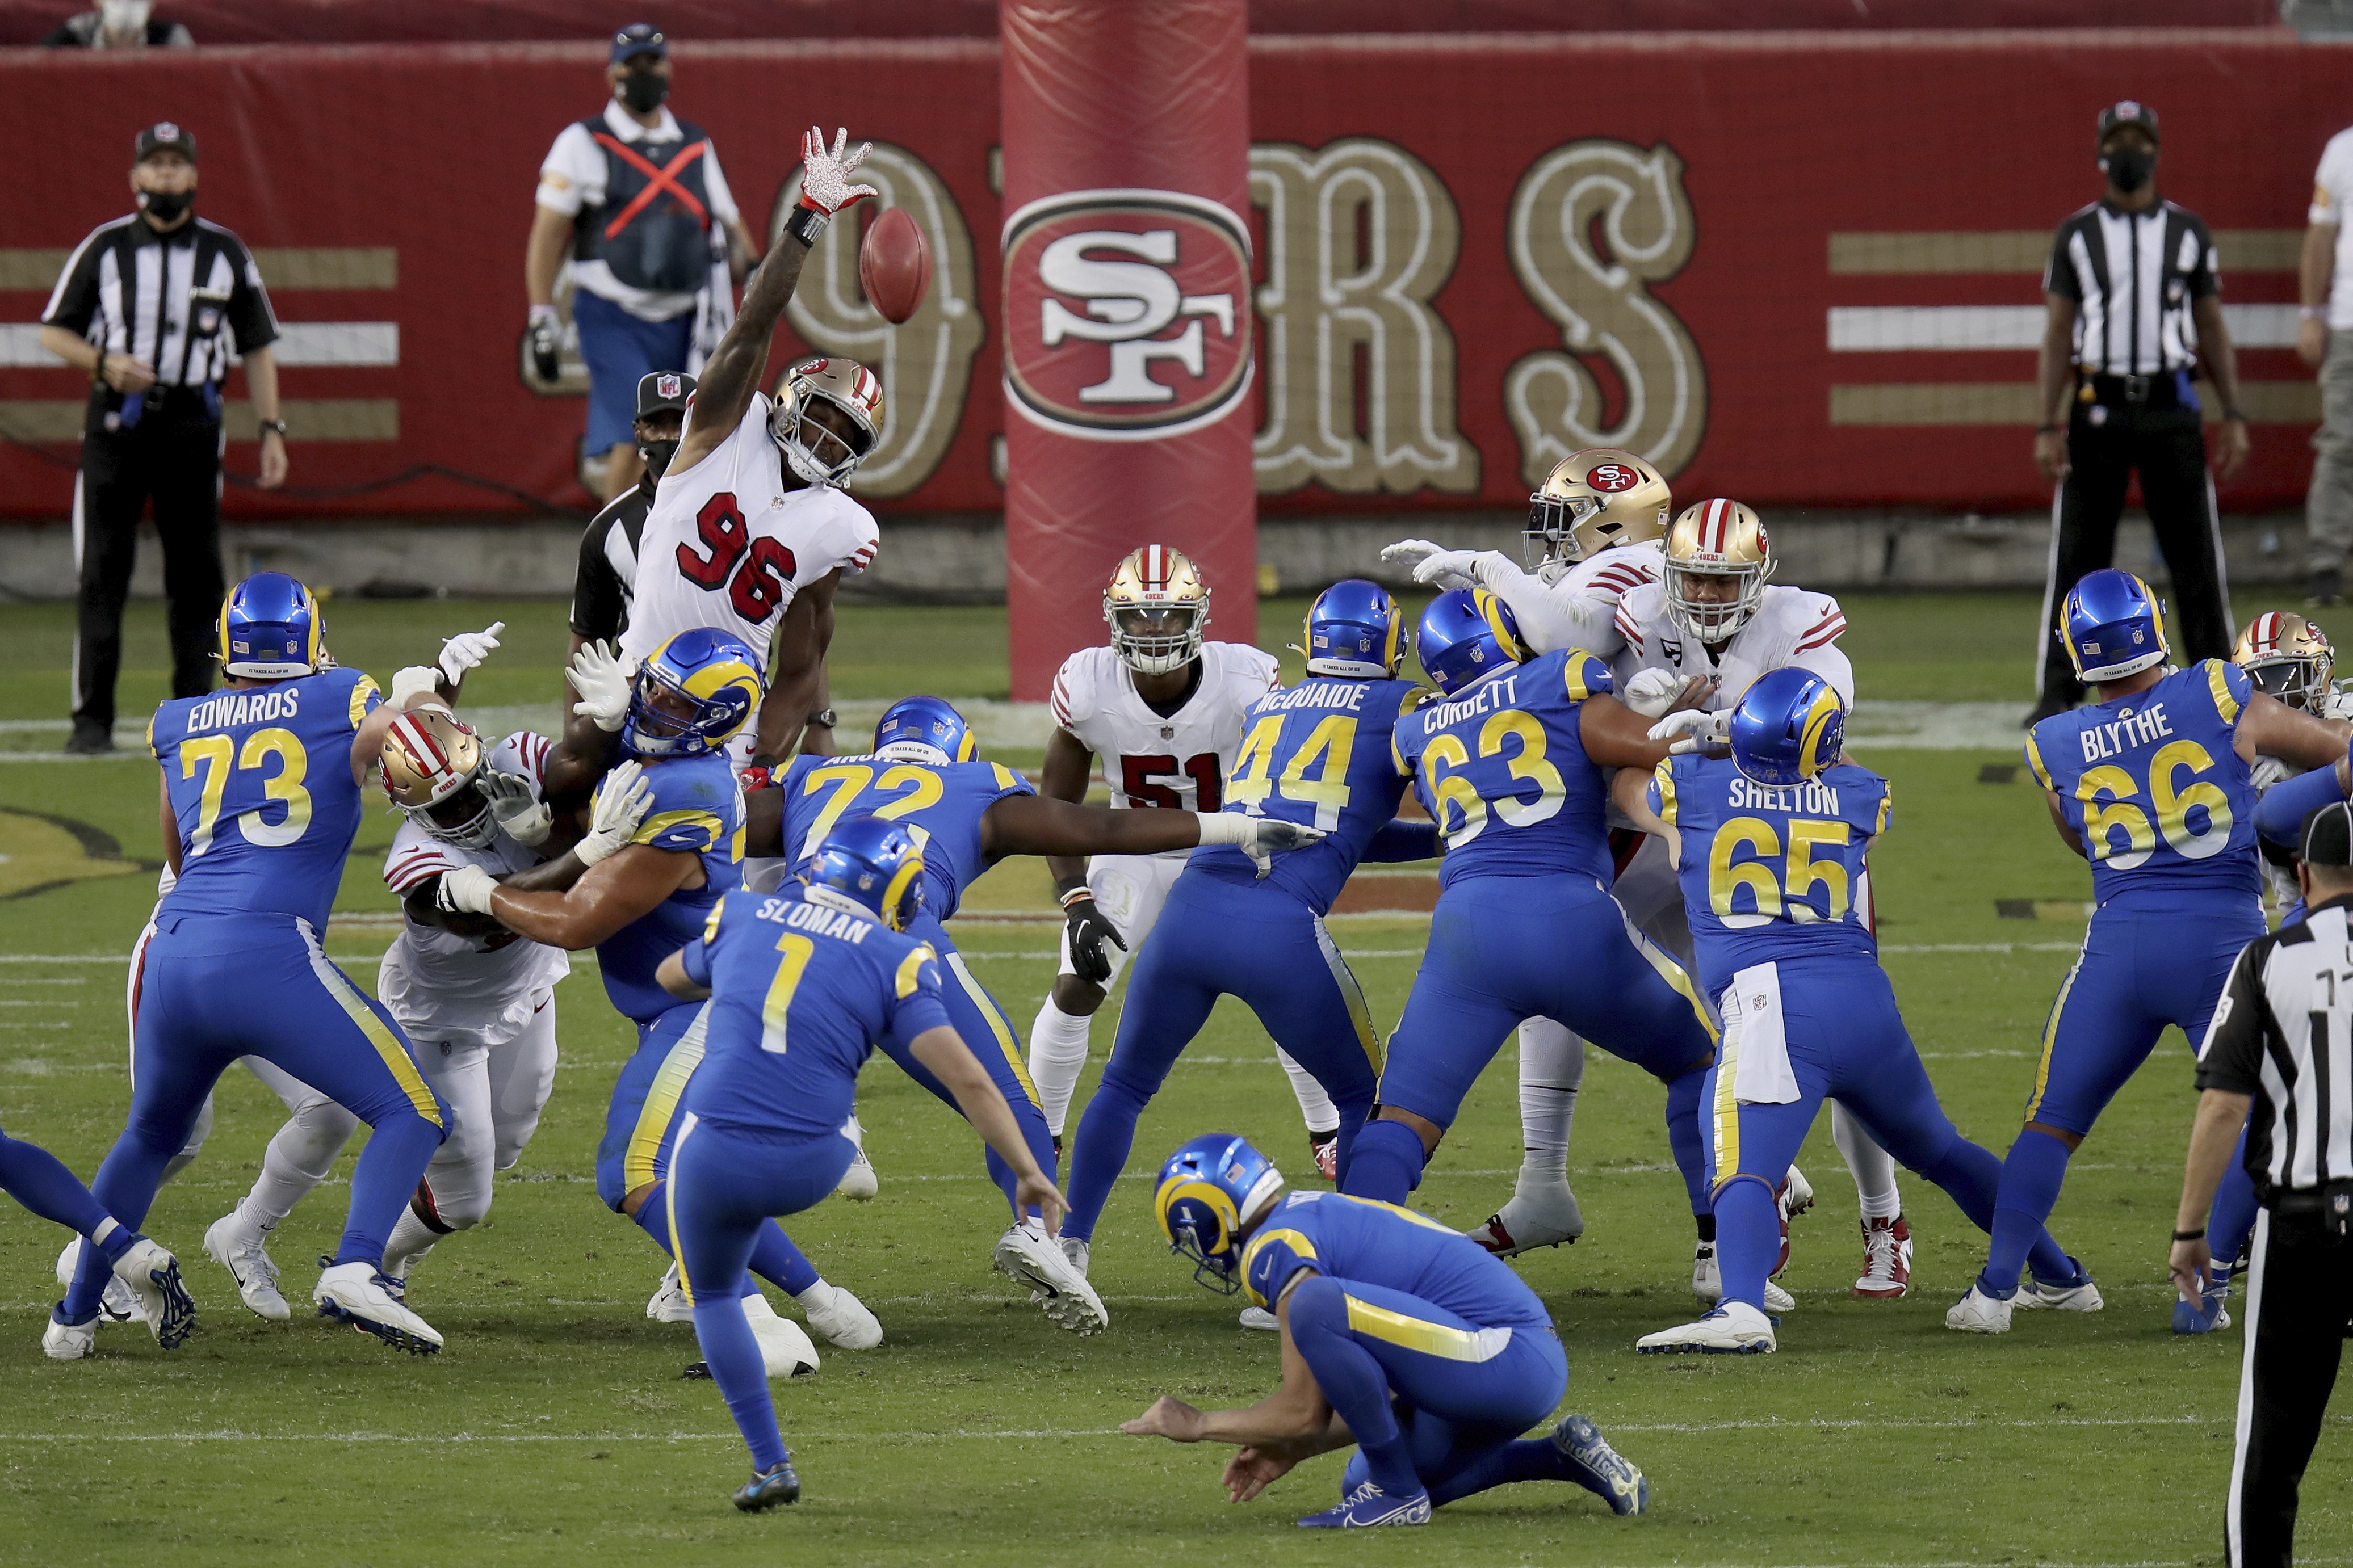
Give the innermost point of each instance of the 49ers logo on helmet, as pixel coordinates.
(1127, 313)
(1609, 477)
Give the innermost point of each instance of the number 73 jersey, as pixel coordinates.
(2154, 785)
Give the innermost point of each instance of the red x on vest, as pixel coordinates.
(657, 181)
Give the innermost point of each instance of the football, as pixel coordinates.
(895, 266)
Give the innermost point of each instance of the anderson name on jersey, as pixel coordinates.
(727, 545)
(1179, 762)
(1792, 625)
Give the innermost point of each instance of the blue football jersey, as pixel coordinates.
(1503, 772)
(261, 782)
(941, 802)
(1318, 755)
(1380, 1243)
(697, 807)
(799, 994)
(2154, 785)
(1771, 874)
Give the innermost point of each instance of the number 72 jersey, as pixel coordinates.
(2154, 785)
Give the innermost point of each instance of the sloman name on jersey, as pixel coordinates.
(1498, 693)
(815, 918)
(2116, 739)
(1820, 800)
(1348, 694)
(232, 709)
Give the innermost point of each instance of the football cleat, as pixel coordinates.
(1324, 1148)
(117, 1305)
(2073, 1295)
(1028, 1256)
(1599, 1468)
(768, 1488)
(355, 1293)
(670, 1304)
(1886, 1260)
(1707, 1282)
(153, 1276)
(2209, 1312)
(1547, 1216)
(857, 1184)
(68, 1341)
(840, 1317)
(239, 1250)
(1077, 1251)
(1368, 1507)
(785, 1347)
(1734, 1329)
(1260, 1319)
(1978, 1314)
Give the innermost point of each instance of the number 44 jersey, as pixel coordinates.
(1180, 761)
(727, 545)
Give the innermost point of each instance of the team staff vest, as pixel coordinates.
(662, 243)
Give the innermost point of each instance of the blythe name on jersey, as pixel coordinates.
(1348, 694)
(816, 919)
(1813, 799)
(1492, 697)
(2134, 730)
(234, 708)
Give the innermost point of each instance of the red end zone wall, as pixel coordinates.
(1803, 270)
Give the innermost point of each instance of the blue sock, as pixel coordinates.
(1747, 1238)
(125, 1188)
(1032, 1122)
(39, 1179)
(653, 1218)
(2031, 1179)
(1685, 1140)
(1971, 1177)
(398, 1149)
(733, 1357)
(1386, 1164)
(2232, 1218)
(1352, 1382)
(1529, 1459)
(1099, 1151)
(776, 1259)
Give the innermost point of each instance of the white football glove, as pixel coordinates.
(1410, 551)
(1260, 838)
(1449, 569)
(514, 801)
(1691, 731)
(621, 804)
(467, 649)
(825, 176)
(465, 891)
(408, 683)
(604, 680)
(1651, 693)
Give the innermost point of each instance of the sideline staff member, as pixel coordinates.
(2274, 1064)
(2135, 296)
(153, 305)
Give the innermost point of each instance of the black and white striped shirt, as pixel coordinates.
(2283, 1034)
(606, 578)
(2134, 278)
(183, 303)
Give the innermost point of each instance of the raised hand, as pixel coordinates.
(622, 801)
(825, 176)
(1693, 732)
(605, 682)
(467, 649)
(515, 802)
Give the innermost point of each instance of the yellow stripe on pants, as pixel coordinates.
(661, 1103)
(997, 1026)
(387, 1045)
(1441, 1340)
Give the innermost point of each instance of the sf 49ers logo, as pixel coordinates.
(1613, 476)
(1127, 313)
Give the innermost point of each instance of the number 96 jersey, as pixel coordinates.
(1179, 762)
(2154, 785)
(726, 545)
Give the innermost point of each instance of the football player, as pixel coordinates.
(750, 530)
(1400, 1336)
(1508, 762)
(146, 1274)
(924, 772)
(1770, 843)
(1316, 754)
(1162, 709)
(259, 803)
(823, 963)
(2152, 783)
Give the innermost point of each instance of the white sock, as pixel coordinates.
(1872, 1167)
(1315, 1107)
(298, 1159)
(1058, 1055)
(1552, 1068)
(411, 1236)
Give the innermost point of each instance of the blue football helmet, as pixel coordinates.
(1788, 728)
(1207, 1190)
(270, 630)
(925, 729)
(1466, 633)
(1355, 630)
(693, 694)
(867, 867)
(2114, 626)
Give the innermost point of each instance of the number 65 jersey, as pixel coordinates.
(727, 545)
(2154, 785)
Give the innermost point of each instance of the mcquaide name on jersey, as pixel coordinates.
(1349, 694)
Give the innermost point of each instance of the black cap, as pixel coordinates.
(2126, 111)
(663, 392)
(640, 38)
(163, 137)
(2328, 837)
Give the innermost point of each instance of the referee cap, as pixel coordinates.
(2124, 112)
(163, 137)
(640, 38)
(664, 392)
(2328, 836)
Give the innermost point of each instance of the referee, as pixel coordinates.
(2279, 1062)
(608, 572)
(154, 307)
(2134, 294)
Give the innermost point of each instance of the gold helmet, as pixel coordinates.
(1594, 500)
(1714, 541)
(1158, 607)
(431, 763)
(827, 417)
(2287, 656)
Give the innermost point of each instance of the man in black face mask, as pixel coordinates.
(602, 585)
(633, 201)
(2134, 289)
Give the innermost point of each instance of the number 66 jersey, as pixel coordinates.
(727, 545)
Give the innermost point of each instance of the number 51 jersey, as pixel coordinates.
(726, 545)
(1180, 760)
(2155, 784)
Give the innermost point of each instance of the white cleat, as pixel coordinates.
(68, 1341)
(1886, 1260)
(670, 1304)
(356, 1293)
(153, 1276)
(1547, 1216)
(2076, 1295)
(1978, 1314)
(117, 1306)
(784, 1346)
(1734, 1329)
(1707, 1282)
(840, 1317)
(1797, 1193)
(1260, 1318)
(1028, 1256)
(1080, 1253)
(240, 1251)
(859, 1183)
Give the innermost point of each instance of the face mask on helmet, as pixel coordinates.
(804, 429)
(1158, 638)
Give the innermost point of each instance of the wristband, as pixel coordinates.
(2198, 1235)
(1223, 827)
(542, 313)
(823, 719)
(1065, 886)
(2313, 312)
(806, 223)
(1078, 895)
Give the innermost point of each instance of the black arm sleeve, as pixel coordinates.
(2059, 274)
(250, 315)
(2232, 1059)
(596, 587)
(2206, 278)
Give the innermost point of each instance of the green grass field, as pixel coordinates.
(556, 1427)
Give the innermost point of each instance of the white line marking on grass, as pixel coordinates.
(1982, 947)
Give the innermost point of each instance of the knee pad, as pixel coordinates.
(1771, 1190)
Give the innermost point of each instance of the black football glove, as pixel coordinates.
(542, 338)
(1088, 929)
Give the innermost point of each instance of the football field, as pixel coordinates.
(558, 1428)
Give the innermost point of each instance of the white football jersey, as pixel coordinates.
(470, 990)
(1579, 609)
(1792, 625)
(1181, 761)
(727, 545)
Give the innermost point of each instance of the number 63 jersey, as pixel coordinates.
(727, 545)
(2154, 785)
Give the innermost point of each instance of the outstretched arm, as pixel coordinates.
(1296, 1416)
(607, 897)
(1616, 736)
(1032, 824)
(2270, 728)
